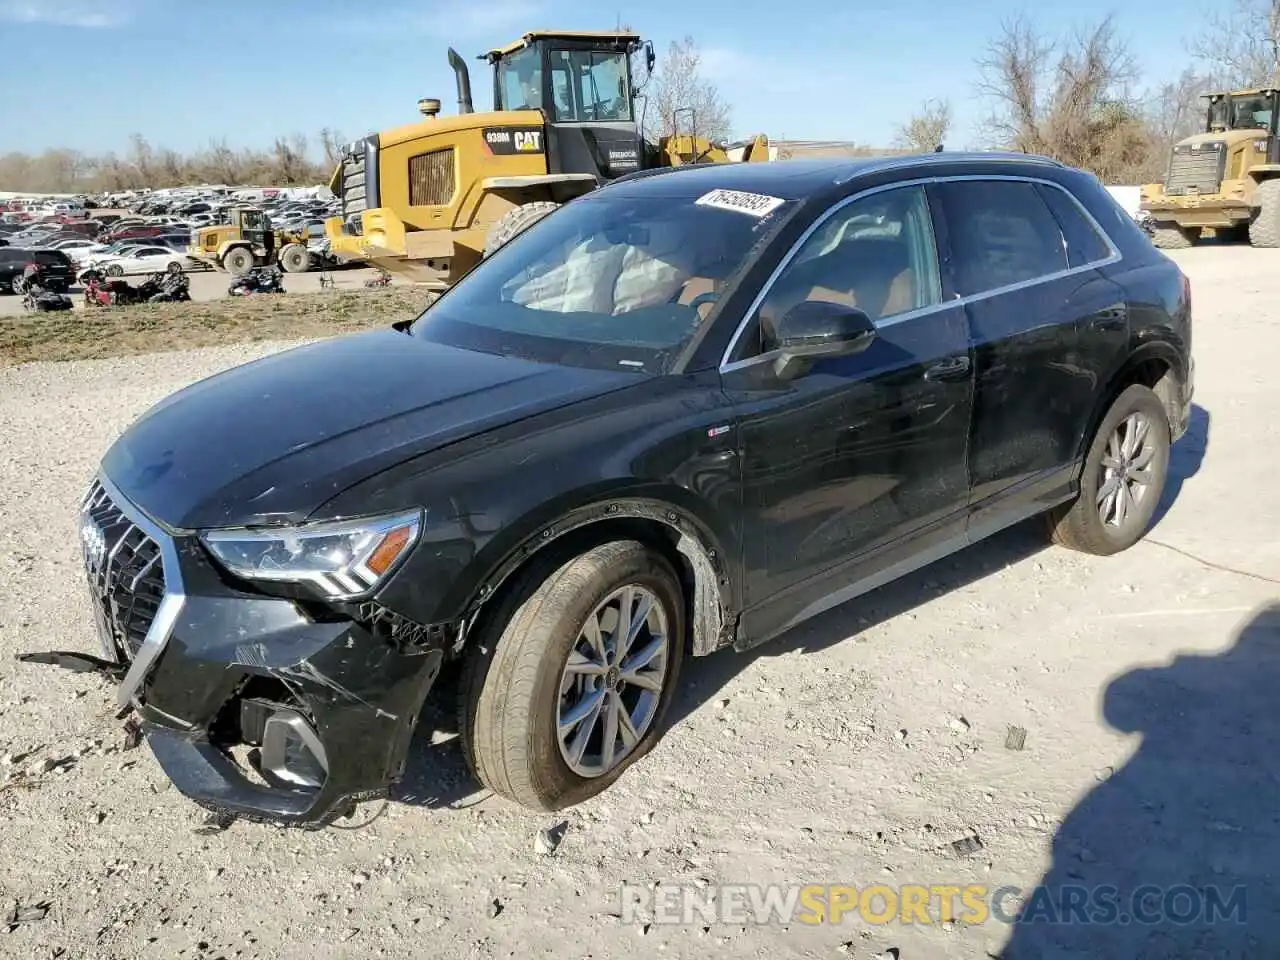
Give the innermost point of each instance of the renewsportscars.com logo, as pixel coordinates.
(971, 904)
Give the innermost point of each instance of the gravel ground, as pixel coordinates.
(852, 751)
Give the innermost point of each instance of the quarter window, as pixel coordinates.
(1084, 245)
(1001, 233)
(876, 254)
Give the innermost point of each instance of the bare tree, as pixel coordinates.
(677, 87)
(289, 155)
(331, 144)
(927, 130)
(141, 157)
(1237, 47)
(1069, 100)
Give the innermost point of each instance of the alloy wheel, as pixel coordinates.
(613, 681)
(1126, 467)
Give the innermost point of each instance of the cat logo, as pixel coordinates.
(528, 141)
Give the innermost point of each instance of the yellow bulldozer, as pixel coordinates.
(1225, 179)
(430, 199)
(248, 240)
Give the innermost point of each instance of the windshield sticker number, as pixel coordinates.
(755, 204)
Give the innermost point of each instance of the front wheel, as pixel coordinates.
(1123, 478)
(569, 685)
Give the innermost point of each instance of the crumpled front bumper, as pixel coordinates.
(255, 706)
(331, 726)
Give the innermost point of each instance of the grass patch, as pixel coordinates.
(97, 333)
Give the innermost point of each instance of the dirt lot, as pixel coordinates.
(853, 751)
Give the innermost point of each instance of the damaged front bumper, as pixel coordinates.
(255, 706)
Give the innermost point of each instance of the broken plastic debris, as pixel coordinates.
(1015, 738)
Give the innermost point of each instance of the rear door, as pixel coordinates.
(1026, 306)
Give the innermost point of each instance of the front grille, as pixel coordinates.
(354, 188)
(1195, 171)
(431, 178)
(125, 571)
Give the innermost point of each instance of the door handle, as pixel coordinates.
(952, 368)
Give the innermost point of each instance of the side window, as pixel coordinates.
(1001, 233)
(876, 254)
(1084, 245)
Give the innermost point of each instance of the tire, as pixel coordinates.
(295, 258)
(514, 222)
(1264, 231)
(238, 261)
(1173, 237)
(512, 689)
(115, 270)
(1080, 525)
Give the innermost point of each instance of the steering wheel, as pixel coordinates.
(702, 298)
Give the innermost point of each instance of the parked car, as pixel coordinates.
(55, 266)
(144, 259)
(687, 411)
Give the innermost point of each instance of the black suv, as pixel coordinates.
(56, 267)
(685, 412)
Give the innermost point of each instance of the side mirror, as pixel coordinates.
(815, 329)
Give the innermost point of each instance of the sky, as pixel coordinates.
(182, 72)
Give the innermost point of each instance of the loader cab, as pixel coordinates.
(582, 84)
(1243, 110)
(255, 227)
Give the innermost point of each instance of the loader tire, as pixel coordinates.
(1174, 237)
(295, 258)
(1264, 231)
(515, 222)
(238, 261)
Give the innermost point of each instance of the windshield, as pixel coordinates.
(610, 281)
(520, 80)
(1250, 113)
(589, 85)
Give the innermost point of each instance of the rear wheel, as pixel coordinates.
(1170, 236)
(1264, 231)
(115, 270)
(1122, 480)
(238, 261)
(516, 221)
(568, 686)
(295, 258)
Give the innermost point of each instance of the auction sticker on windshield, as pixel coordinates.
(755, 204)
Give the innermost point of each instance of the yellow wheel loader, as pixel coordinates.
(1225, 179)
(247, 241)
(428, 200)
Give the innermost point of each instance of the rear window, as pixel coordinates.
(1084, 245)
(1001, 234)
(52, 258)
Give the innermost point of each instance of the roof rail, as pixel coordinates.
(914, 159)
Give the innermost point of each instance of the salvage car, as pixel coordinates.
(685, 412)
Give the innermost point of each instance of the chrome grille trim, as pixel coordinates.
(105, 502)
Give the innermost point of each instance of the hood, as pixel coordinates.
(275, 439)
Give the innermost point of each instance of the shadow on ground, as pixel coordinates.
(437, 775)
(1176, 854)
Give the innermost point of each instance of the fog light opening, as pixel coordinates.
(292, 752)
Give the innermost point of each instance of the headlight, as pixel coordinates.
(342, 559)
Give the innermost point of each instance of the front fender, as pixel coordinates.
(661, 451)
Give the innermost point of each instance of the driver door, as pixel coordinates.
(862, 460)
